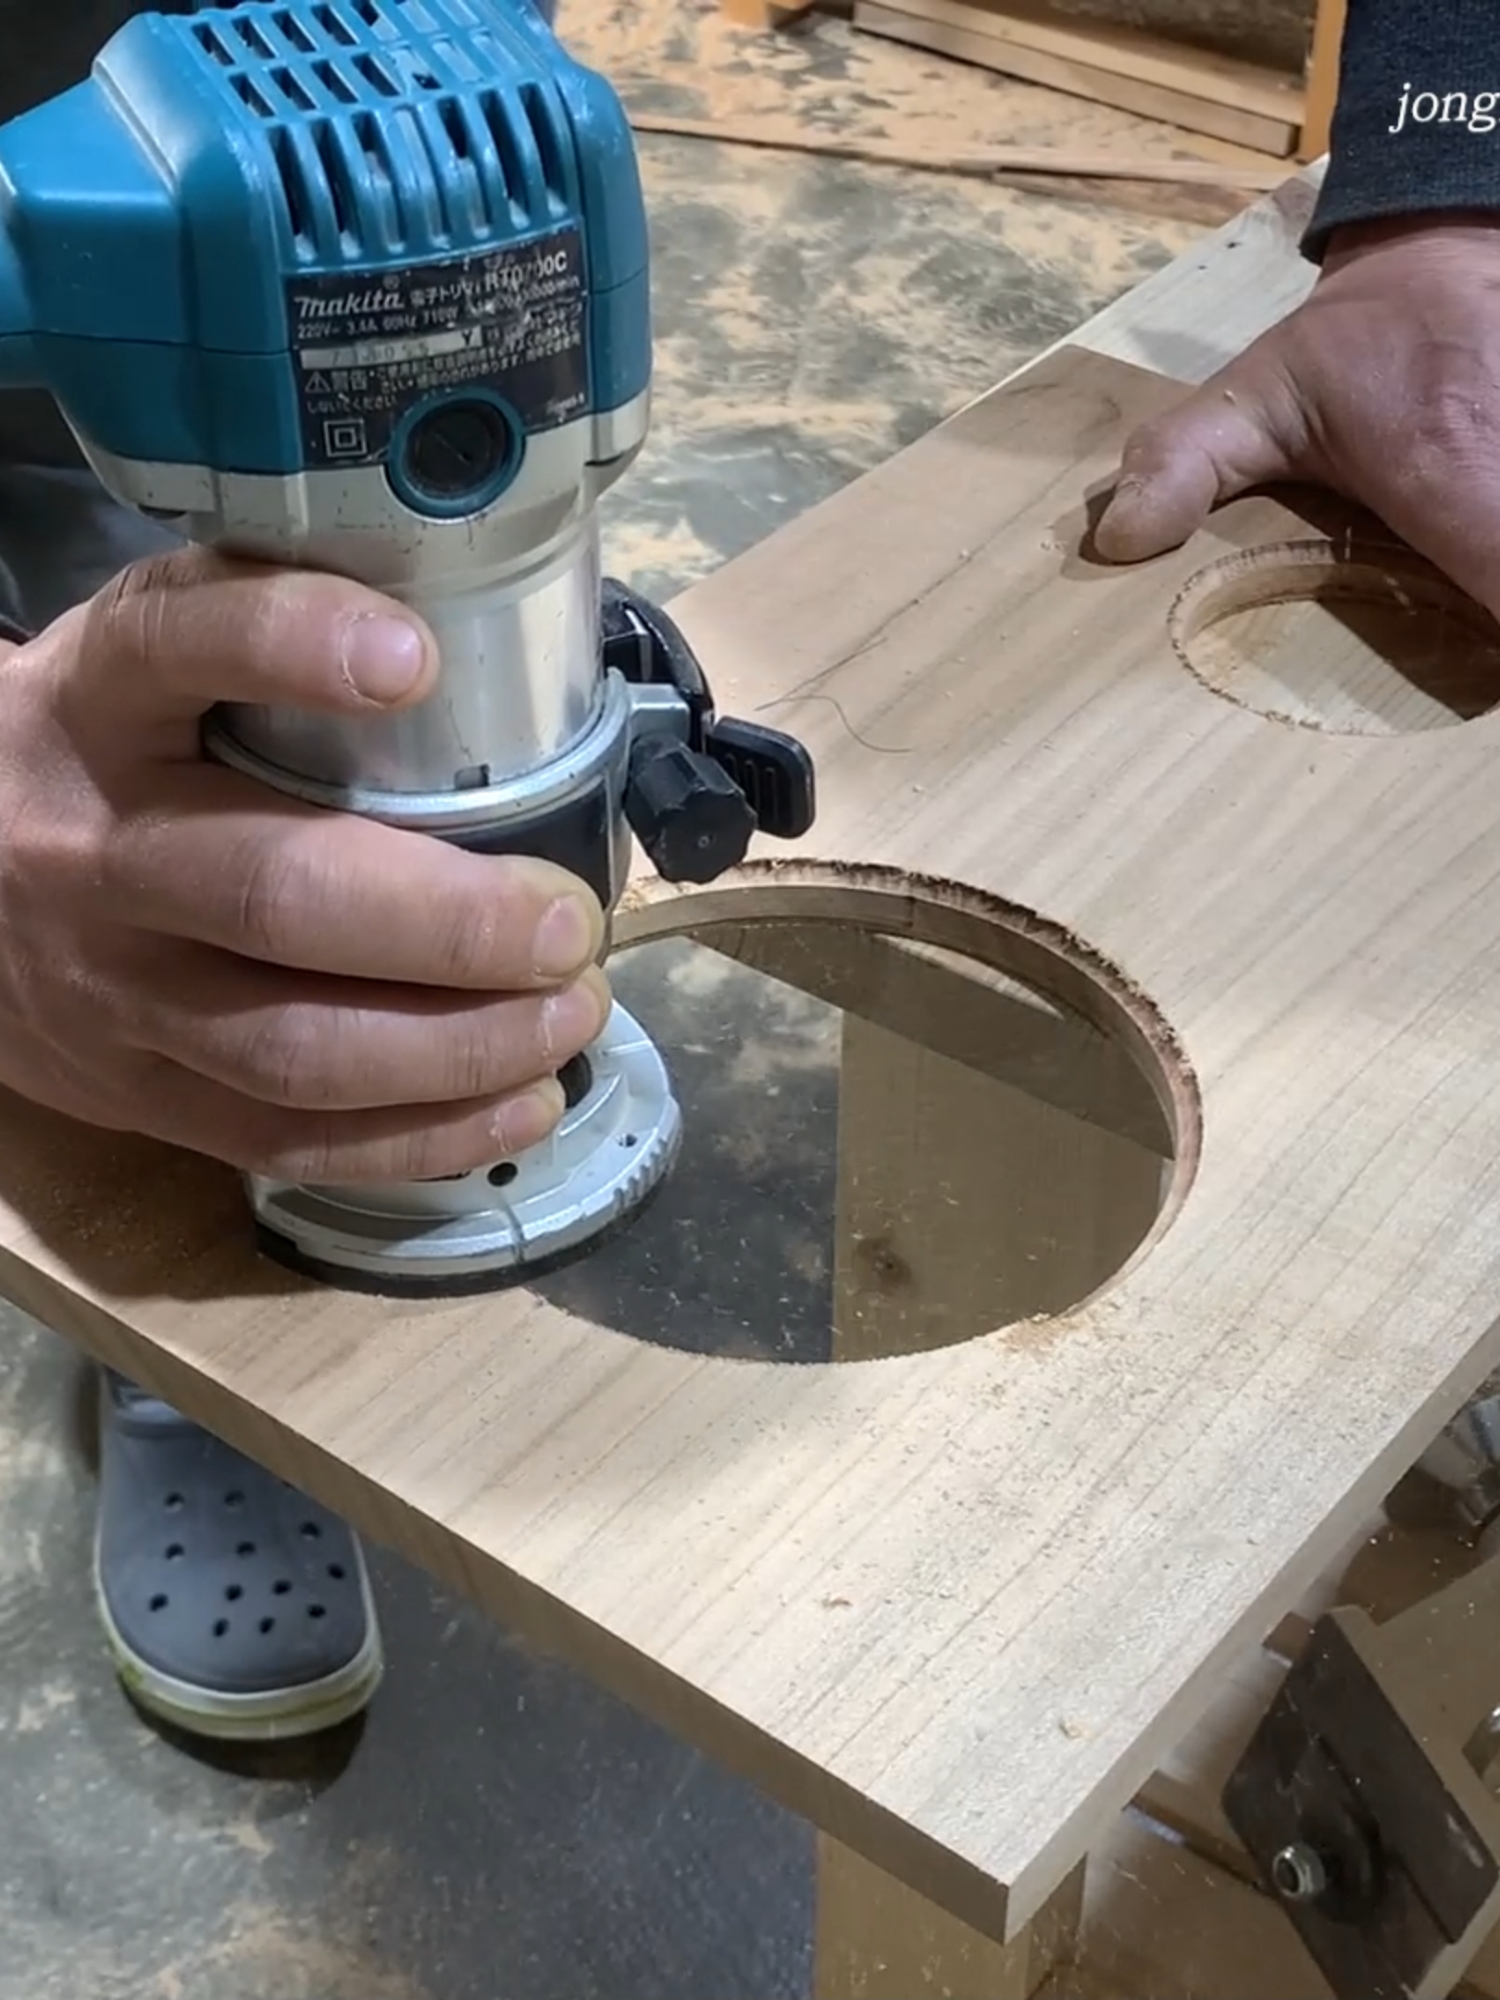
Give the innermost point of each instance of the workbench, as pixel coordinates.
(1220, 958)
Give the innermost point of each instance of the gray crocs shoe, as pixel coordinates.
(235, 1607)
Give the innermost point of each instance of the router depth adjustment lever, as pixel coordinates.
(362, 286)
(693, 801)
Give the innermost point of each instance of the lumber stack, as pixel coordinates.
(1241, 103)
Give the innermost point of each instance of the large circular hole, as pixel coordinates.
(890, 1142)
(1356, 638)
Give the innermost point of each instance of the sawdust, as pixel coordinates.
(39, 1707)
(814, 316)
(685, 58)
(263, 1948)
(294, 1959)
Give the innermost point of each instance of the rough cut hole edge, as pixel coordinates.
(970, 923)
(1316, 570)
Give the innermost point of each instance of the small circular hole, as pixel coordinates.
(245, 1549)
(311, 1531)
(158, 1603)
(221, 1626)
(1353, 638)
(267, 1625)
(336, 1571)
(503, 1175)
(174, 1503)
(234, 1498)
(280, 1587)
(316, 1611)
(629, 1139)
(175, 1552)
(233, 1592)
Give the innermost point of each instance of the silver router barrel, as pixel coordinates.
(523, 746)
(521, 683)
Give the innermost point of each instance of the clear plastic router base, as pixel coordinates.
(493, 1227)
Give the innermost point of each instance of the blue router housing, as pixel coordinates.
(259, 236)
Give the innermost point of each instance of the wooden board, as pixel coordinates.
(1322, 78)
(1146, 74)
(953, 1605)
(1192, 317)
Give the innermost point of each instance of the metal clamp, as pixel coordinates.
(771, 770)
(1364, 1798)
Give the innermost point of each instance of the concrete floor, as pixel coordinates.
(498, 1830)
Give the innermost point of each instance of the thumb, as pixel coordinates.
(1176, 469)
(171, 637)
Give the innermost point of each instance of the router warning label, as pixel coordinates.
(369, 345)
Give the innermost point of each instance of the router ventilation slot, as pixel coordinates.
(475, 159)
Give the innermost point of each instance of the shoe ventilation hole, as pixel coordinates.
(174, 1503)
(336, 1571)
(221, 1626)
(158, 1603)
(316, 1611)
(245, 1549)
(174, 1552)
(234, 1498)
(280, 1587)
(504, 1174)
(311, 1531)
(267, 1625)
(234, 1592)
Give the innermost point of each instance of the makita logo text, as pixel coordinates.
(346, 305)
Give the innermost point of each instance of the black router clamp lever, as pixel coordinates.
(695, 804)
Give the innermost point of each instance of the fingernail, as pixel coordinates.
(526, 1120)
(564, 938)
(383, 657)
(570, 1020)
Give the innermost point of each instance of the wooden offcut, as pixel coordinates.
(1322, 79)
(976, 162)
(764, 13)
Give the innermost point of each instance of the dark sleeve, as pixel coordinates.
(11, 626)
(1417, 128)
(61, 537)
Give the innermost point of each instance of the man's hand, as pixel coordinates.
(1384, 386)
(187, 954)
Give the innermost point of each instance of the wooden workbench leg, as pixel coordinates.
(879, 1940)
(963, 1204)
(1322, 79)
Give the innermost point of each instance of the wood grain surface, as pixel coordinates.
(952, 1604)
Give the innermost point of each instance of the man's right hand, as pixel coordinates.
(185, 953)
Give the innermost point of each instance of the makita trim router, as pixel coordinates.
(362, 285)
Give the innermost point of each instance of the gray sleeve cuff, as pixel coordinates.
(1417, 128)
